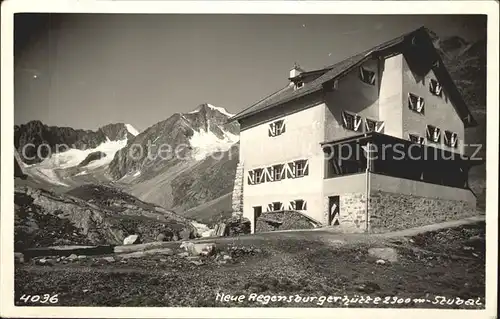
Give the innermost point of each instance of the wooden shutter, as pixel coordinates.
(370, 125)
(439, 89)
(269, 174)
(290, 170)
(411, 102)
(420, 104)
(283, 171)
(379, 127)
(306, 167)
(282, 206)
(282, 127)
(454, 140)
(272, 129)
(436, 136)
(269, 207)
(371, 77)
(291, 205)
(251, 179)
(357, 122)
(361, 74)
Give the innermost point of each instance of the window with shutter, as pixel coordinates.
(259, 176)
(416, 103)
(276, 206)
(251, 177)
(416, 138)
(276, 128)
(450, 139)
(278, 172)
(374, 126)
(433, 134)
(290, 170)
(435, 88)
(299, 204)
(269, 208)
(351, 121)
(367, 76)
(301, 168)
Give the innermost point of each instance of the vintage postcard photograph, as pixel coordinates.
(250, 160)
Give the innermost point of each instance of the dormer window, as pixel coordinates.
(374, 126)
(435, 88)
(299, 84)
(433, 134)
(351, 121)
(367, 76)
(276, 128)
(451, 139)
(416, 103)
(414, 138)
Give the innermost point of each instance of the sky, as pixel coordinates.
(89, 70)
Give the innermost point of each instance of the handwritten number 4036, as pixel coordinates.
(40, 298)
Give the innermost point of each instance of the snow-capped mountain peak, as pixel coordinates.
(131, 129)
(220, 109)
(210, 106)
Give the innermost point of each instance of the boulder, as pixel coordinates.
(72, 257)
(109, 259)
(161, 237)
(185, 234)
(204, 249)
(389, 254)
(131, 240)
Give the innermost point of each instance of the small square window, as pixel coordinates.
(374, 126)
(433, 134)
(301, 168)
(277, 206)
(299, 85)
(451, 139)
(276, 128)
(351, 121)
(367, 76)
(416, 103)
(416, 138)
(435, 88)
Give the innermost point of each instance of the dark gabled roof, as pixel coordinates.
(339, 69)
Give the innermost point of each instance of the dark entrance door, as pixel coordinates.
(257, 210)
(333, 210)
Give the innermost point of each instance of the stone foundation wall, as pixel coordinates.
(237, 199)
(392, 211)
(352, 216)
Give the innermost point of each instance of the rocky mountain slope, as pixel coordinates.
(90, 214)
(38, 134)
(180, 138)
(466, 62)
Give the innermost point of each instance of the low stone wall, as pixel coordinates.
(393, 211)
(285, 220)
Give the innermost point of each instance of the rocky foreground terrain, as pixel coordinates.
(422, 271)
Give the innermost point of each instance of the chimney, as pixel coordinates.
(295, 71)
